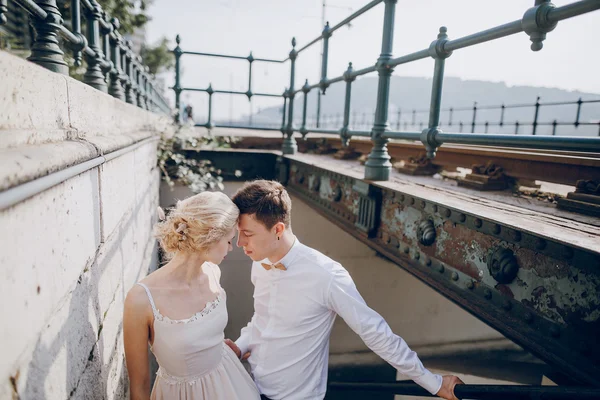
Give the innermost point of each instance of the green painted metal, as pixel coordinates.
(109, 59)
(210, 91)
(93, 75)
(3, 11)
(177, 87)
(323, 83)
(378, 165)
(283, 126)
(45, 50)
(345, 132)
(305, 89)
(289, 145)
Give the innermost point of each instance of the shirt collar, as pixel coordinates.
(290, 256)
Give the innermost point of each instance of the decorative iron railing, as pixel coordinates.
(536, 22)
(470, 119)
(112, 66)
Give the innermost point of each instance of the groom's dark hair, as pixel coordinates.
(267, 200)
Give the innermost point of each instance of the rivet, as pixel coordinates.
(39, 289)
(406, 249)
(528, 317)
(487, 293)
(423, 204)
(411, 201)
(540, 244)
(417, 255)
(435, 208)
(470, 285)
(568, 252)
(497, 229)
(506, 305)
(478, 223)
(402, 197)
(454, 276)
(399, 245)
(428, 261)
(441, 268)
(447, 213)
(554, 331)
(515, 235)
(462, 217)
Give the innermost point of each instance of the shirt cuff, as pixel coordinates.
(243, 344)
(430, 382)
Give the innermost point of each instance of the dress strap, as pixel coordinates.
(154, 310)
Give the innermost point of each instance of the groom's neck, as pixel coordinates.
(286, 242)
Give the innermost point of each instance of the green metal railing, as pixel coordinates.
(536, 22)
(487, 116)
(112, 66)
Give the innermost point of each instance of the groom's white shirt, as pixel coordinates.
(294, 311)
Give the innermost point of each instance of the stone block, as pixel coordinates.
(117, 193)
(26, 163)
(47, 242)
(33, 103)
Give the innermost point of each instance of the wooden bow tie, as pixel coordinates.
(269, 266)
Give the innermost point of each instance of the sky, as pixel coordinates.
(569, 59)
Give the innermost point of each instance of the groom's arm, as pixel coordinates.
(347, 302)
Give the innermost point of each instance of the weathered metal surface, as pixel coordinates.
(549, 166)
(541, 293)
(585, 198)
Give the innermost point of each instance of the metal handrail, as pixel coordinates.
(112, 66)
(484, 392)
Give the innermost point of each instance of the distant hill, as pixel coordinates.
(413, 93)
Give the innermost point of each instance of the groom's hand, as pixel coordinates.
(236, 349)
(447, 389)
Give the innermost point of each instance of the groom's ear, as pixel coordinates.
(279, 228)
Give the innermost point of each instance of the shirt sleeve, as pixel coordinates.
(345, 300)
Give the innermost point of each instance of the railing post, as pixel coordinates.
(285, 94)
(474, 117)
(378, 164)
(177, 88)
(323, 83)
(535, 117)
(93, 75)
(45, 50)
(115, 89)
(127, 66)
(348, 78)
(450, 117)
(3, 11)
(436, 50)
(305, 89)
(210, 91)
(578, 112)
(502, 115)
(76, 28)
(289, 143)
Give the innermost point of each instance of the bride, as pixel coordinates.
(180, 311)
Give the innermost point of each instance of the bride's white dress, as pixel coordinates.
(194, 362)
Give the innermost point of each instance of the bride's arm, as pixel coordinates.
(136, 328)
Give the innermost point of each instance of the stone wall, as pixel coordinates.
(70, 253)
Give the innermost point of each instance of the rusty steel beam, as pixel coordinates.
(544, 165)
(538, 290)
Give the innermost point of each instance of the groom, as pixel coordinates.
(297, 293)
